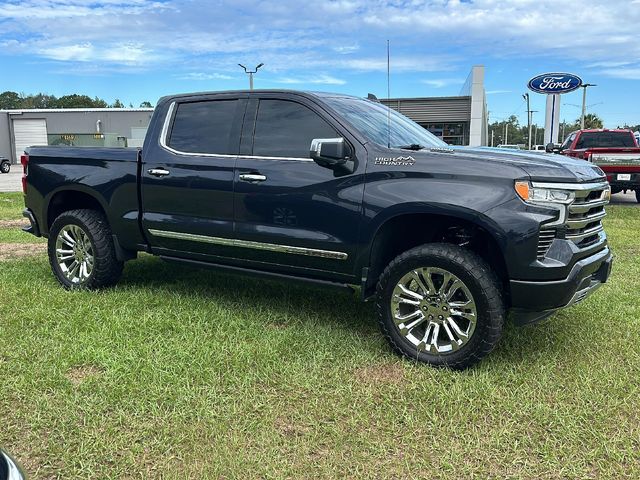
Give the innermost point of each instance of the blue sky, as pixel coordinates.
(139, 50)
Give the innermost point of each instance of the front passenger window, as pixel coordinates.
(285, 129)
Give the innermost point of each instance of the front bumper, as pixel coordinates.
(534, 300)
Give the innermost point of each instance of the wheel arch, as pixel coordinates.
(406, 228)
(68, 198)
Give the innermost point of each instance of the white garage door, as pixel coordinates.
(29, 132)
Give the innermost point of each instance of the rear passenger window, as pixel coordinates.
(285, 129)
(204, 127)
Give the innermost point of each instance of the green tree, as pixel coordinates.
(99, 103)
(39, 100)
(117, 104)
(146, 104)
(74, 101)
(10, 100)
(591, 120)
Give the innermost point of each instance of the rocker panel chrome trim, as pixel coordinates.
(230, 242)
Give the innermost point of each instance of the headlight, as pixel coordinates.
(532, 194)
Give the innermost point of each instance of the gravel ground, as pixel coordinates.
(10, 182)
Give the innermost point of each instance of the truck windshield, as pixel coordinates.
(370, 118)
(605, 140)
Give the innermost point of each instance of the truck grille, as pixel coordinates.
(584, 219)
(545, 239)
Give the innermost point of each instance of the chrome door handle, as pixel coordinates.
(158, 172)
(252, 177)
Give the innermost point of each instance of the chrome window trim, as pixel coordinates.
(231, 242)
(165, 133)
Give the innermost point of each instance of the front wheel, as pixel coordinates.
(81, 251)
(440, 304)
(5, 167)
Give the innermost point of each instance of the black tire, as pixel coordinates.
(106, 269)
(638, 195)
(5, 166)
(480, 281)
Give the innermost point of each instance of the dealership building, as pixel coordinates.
(459, 120)
(97, 127)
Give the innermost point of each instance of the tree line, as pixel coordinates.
(13, 101)
(517, 134)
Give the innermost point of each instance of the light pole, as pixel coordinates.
(526, 97)
(584, 102)
(250, 73)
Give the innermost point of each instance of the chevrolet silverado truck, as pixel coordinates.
(615, 151)
(338, 191)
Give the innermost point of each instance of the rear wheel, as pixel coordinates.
(5, 166)
(440, 304)
(81, 250)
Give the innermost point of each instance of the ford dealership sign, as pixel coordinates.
(550, 83)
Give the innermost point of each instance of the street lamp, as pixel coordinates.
(584, 101)
(250, 73)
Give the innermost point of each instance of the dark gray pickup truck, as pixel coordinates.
(341, 192)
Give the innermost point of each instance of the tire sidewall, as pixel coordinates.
(61, 222)
(5, 167)
(475, 286)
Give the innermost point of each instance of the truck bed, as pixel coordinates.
(113, 172)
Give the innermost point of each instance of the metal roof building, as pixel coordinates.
(71, 126)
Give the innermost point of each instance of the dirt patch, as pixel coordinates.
(288, 428)
(388, 373)
(78, 374)
(13, 223)
(13, 251)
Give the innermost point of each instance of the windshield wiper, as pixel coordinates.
(413, 146)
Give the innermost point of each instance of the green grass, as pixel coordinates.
(183, 373)
(11, 206)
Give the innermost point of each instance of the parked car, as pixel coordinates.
(538, 148)
(615, 151)
(9, 469)
(5, 165)
(510, 146)
(338, 191)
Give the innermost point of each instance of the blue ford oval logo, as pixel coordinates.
(555, 83)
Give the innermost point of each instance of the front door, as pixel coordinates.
(187, 178)
(292, 214)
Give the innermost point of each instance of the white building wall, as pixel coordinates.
(474, 87)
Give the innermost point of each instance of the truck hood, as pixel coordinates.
(542, 167)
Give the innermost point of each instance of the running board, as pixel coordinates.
(259, 273)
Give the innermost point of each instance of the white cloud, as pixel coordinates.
(425, 35)
(315, 79)
(631, 73)
(442, 82)
(205, 76)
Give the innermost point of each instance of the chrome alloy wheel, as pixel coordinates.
(74, 254)
(434, 310)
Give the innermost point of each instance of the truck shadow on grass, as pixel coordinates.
(285, 303)
(283, 299)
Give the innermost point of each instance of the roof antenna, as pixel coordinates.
(388, 99)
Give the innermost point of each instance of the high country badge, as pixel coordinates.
(395, 161)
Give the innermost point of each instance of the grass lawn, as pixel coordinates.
(181, 373)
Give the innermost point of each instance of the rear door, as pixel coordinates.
(292, 214)
(187, 177)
